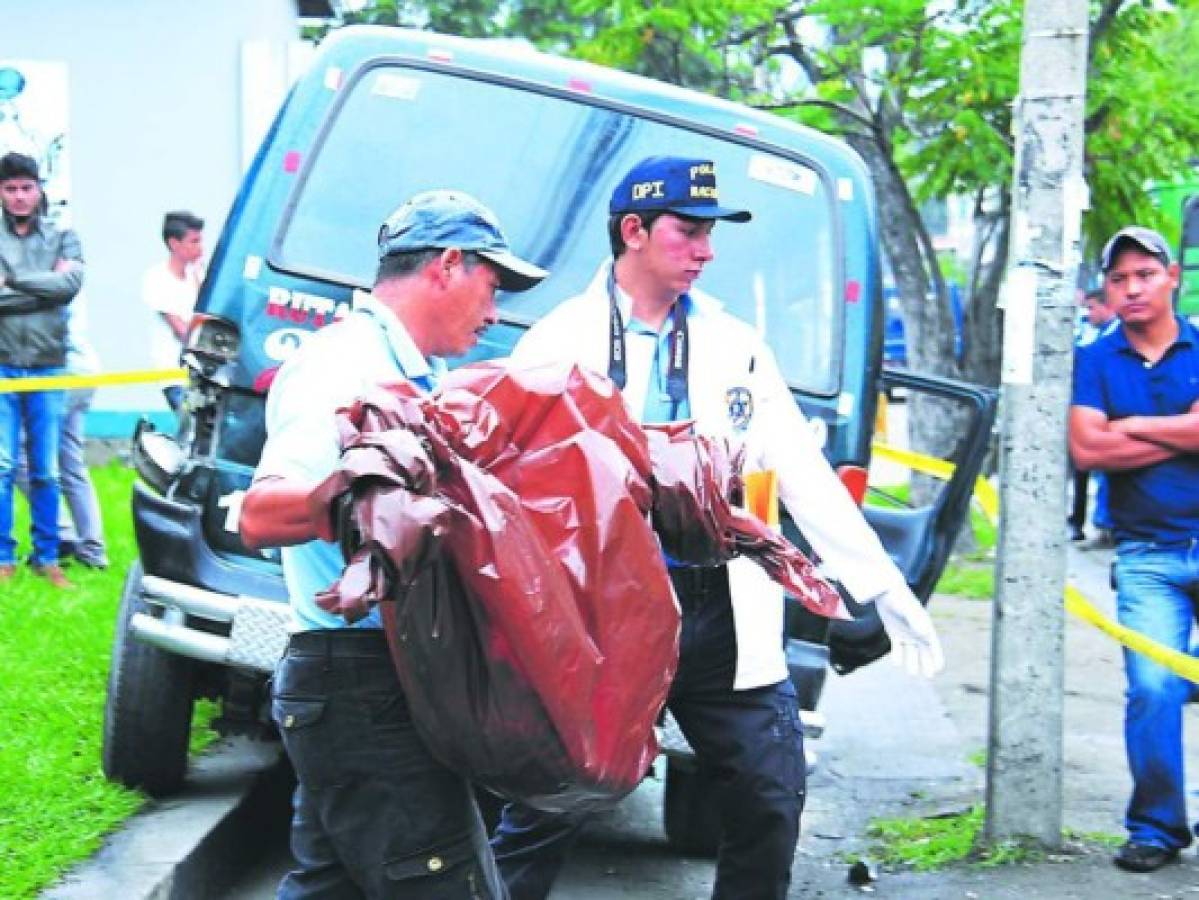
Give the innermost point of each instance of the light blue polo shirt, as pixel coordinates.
(640, 339)
(334, 366)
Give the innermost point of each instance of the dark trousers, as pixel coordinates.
(1078, 507)
(751, 741)
(374, 814)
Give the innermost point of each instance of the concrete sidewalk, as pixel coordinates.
(197, 844)
(871, 771)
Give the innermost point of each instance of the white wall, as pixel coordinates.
(155, 123)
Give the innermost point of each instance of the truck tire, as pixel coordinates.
(148, 711)
(689, 810)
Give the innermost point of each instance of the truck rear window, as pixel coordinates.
(547, 164)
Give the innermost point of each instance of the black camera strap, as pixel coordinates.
(680, 349)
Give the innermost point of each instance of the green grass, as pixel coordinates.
(933, 843)
(968, 579)
(55, 805)
(1104, 839)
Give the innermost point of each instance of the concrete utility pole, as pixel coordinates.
(1024, 759)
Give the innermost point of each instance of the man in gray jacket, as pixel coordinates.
(41, 270)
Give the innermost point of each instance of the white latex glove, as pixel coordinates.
(914, 642)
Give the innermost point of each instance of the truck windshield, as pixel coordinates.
(547, 164)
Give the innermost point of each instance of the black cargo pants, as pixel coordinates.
(374, 814)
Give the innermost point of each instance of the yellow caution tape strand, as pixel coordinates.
(985, 495)
(103, 379)
(984, 492)
(1177, 662)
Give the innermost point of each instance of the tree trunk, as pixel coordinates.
(983, 325)
(927, 320)
(934, 425)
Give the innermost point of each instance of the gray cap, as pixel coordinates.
(436, 220)
(1145, 239)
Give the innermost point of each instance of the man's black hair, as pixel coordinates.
(401, 265)
(648, 218)
(178, 223)
(17, 165)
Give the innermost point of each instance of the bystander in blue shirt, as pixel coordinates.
(1158, 503)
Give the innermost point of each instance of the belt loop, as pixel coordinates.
(328, 655)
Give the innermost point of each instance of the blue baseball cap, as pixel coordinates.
(674, 184)
(437, 220)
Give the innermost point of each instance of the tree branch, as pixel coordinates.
(1095, 120)
(795, 49)
(790, 15)
(839, 108)
(1107, 15)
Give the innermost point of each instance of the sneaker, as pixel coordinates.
(1134, 857)
(1077, 534)
(53, 574)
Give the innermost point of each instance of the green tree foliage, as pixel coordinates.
(468, 18)
(1142, 112)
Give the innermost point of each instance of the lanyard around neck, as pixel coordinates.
(680, 349)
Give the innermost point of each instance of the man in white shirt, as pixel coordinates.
(677, 355)
(169, 288)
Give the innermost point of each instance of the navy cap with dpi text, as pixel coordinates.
(686, 187)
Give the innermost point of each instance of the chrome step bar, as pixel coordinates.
(258, 632)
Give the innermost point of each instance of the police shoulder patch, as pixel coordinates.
(740, 404)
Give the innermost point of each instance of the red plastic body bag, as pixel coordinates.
(504, 526)
(534, 627)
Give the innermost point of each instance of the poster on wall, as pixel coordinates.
(33, 121)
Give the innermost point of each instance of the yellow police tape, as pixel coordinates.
(984, 492)
(104, 379)
(1179, 663)
(985, 496)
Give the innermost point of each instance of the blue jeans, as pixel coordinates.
(751, 740)
(83, 527)
(375, 815)
(76, 482)
(1158, 586)
(39, 413)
